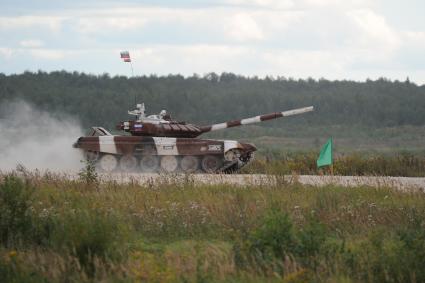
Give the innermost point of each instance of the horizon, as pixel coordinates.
(205, 76)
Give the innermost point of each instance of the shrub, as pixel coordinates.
(275, 237)
(88, 173)
(88, 235)
(15, 217)
(355, 164)
(387, 257)
(13, 270)
(311, 238)
(278, 242)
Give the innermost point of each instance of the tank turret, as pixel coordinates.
(163, 126)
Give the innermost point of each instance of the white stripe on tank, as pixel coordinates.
(247, 121)
(297, 111)
(107, 144)
(166, 146)
(218, 126)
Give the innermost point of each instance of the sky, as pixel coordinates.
(331, 39)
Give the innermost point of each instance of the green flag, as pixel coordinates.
(325, 157)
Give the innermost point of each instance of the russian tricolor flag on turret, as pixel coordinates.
(125, 55)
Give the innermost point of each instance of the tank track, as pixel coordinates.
(111, 163)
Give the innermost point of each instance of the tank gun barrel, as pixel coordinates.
(256, 119)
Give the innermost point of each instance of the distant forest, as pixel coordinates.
(104, 100)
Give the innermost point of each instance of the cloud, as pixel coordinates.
(272, 4)
(6, 52)
(373, 32)
(31, 43)
(53, 23)
(300, 4)
(415, 37)
(306, 63)
(321, 38)
(337, 3)
(48, 54)
(243, 27)
(35, 53)
(97, 25)
(188, 59)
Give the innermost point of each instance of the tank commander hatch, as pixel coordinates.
(165, 115)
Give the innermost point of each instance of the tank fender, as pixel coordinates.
(77, 143)
(229, 144)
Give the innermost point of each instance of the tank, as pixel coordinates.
(157, 143)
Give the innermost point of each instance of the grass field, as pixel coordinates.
(406, 164)
(56, 230)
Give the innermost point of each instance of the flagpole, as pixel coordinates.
(132, 73)
(125, 55)
(132, 76)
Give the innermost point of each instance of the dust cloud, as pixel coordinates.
(37, 140)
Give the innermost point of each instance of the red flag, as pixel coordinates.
(125, 55)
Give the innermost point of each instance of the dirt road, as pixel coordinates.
(258, 179)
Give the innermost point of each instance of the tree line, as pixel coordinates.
(103, 100)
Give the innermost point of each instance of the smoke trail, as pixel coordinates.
(36, 139)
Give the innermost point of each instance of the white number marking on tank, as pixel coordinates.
(107, 144)
(214, 147)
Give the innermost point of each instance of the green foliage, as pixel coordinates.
(174, 232)
(89, 235)
(312, 237)
(354, 164)
(275, 237)
(88, 173)
(383, 257)
(15, 218)
(11, 270)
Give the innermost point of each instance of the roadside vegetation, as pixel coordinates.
(54, 229)
(406, 164)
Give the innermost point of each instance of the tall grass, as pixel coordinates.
(55, 229)
(354, 164)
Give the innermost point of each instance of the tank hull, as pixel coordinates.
(158, 154)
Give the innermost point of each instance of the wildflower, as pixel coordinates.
(44, 213)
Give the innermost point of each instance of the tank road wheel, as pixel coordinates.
(92, 156)
(149, 149)
(189, 163)
(149, 163)
(211, 163)
(128, 163)
(108, 163)
(169, 163)
(232, 155)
